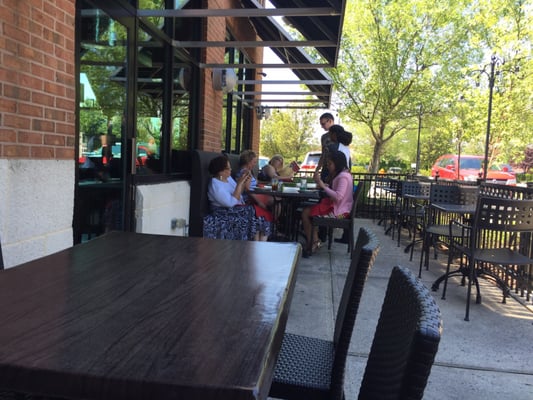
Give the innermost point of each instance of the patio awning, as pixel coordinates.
(319, 26)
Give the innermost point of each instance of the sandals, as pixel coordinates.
(317, 244)
(306, 253)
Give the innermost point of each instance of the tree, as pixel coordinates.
(395, 56)
(289, 133)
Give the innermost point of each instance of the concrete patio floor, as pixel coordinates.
(489, 357)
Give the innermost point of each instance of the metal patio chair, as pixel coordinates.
(498, 246)
(435, 228)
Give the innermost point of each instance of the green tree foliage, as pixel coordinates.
(289, 133)
(400, 55)
(93, 123)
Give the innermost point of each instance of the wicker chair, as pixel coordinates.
(342, 223)
(497, 245)
(1, 257)
(405, 343)
(310, 368)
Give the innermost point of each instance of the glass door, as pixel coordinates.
(103, 143)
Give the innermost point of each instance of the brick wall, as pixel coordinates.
(37, 82)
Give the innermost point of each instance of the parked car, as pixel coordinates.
(310, 161)
(394, 170)
(447, 167)
(262, 161)
(503, 167)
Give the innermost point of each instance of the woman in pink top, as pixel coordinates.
(338, 203)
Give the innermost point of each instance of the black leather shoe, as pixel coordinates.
(341, 240)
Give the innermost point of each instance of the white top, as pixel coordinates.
(220, 193)
(346, 150)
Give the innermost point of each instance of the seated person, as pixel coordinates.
(338, 202)
(275, 169)
(247, 162)
(230, 217)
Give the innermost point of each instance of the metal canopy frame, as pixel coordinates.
(319, 26)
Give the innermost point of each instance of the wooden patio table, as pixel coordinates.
(138, 316)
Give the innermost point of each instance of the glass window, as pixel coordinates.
(235, 134)
(103, 97)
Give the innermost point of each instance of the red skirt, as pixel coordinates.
(325, 207)
(261, 212)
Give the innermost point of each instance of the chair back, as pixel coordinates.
(405, 342)
(414, 188)
(199, 183)
(502, 215)
(1, 258)
(440, 193)
(356, 194)
(468, 194)
(363, 257)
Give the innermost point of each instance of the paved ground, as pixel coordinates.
(489, 357)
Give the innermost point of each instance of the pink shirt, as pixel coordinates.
(341, 192)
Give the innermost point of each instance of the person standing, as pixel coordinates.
(340, 140)
(326, 121)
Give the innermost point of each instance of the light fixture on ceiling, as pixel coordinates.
(224, 79)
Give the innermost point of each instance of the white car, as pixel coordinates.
(262, 161)
(310, 161)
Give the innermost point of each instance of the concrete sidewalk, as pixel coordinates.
(489, 357)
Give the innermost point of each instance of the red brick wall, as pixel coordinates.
(37, 82)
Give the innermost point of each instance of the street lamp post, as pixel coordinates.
(493, 62)
(418, 140)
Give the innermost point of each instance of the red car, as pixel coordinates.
(447, 167)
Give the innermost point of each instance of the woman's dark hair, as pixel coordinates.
(217, 165)
(339, 160)
(343, 136)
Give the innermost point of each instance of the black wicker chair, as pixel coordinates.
(1, 257)
(405, 343)
(341, 223)
(310, 368)
(497, 245)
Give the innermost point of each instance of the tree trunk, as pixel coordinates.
(376, 157)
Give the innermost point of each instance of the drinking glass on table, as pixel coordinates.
(275, 182)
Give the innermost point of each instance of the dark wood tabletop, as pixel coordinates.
(136, 316)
